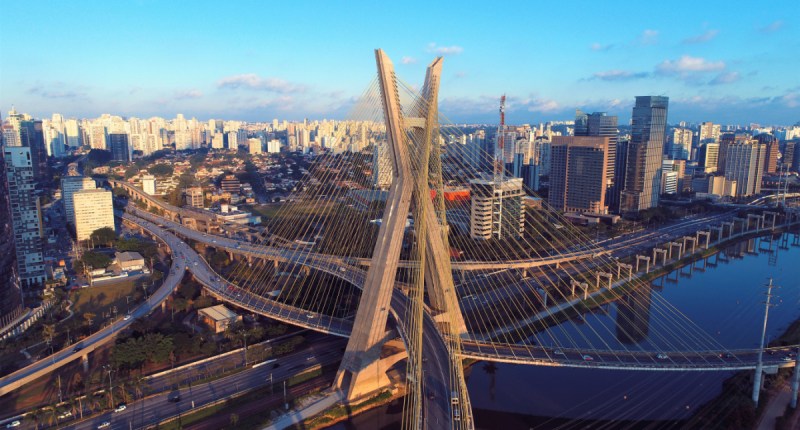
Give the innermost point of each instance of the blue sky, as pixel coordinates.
(717, 61)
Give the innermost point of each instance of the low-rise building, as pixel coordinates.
(218, 317)
(129, 260)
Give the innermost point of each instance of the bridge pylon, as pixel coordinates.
(362, 370)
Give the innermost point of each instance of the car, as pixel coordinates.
(77, 348)
(787, 358)
(587, 357)
(120, 408)
(127, 317)
(342, 269)
(13, 424)
(65, 414)
(662, 356)
(310, 316)
(559, 352)
(105, 424)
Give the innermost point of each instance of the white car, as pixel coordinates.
(66, 414)
(310, 316)
(13, 424)
(127, 317)
(120, 408)
(662, 356)
(105, 424)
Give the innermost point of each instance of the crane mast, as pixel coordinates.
(501, 137)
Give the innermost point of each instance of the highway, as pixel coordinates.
(79, 349)
(157, 408)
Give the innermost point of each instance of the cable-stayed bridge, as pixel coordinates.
(342, 268)
(383, 272)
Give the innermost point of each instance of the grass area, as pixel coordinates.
(304, 376)
(103, 298)
(271, 210)
(338, 412)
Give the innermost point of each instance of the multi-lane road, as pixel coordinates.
(158, 408)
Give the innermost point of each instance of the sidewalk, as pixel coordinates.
(775, 408)
(309, 411)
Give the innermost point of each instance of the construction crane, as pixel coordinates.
(501, 137)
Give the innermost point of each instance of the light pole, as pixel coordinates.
(758, 374)
(110, 387)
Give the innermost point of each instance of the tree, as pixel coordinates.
(89, 317)
(95, 260)
(49, 331)
(105, 235)
(161, 169)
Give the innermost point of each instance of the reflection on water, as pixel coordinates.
(721, 295)
(633, 316)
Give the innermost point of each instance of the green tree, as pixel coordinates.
(161, 169)
(105, 235)
(89, 317)
(95, 260)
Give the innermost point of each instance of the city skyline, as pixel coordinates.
(261, 62)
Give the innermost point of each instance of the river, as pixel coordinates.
(718, 303)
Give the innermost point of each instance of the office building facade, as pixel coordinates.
(496, 210)
(26, 217)
(69, 186)
(578, 173)
(643, 175)
(120, 147)
(94, 209)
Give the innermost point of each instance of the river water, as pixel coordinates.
(716, 304)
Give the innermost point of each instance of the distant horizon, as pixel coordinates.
(673, 123)
(253, 60)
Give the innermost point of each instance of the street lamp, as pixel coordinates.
(109, 369)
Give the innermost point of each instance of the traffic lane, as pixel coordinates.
(156, 408)
(91, 343)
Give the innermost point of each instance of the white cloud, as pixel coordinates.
(725, 78)
(600, 47)
(772, 27)
(408, 60)
(188, 94)
(618, 75)
(689, 64)
(255, 82)
(701, 38)
(444, 50)
(648, 37)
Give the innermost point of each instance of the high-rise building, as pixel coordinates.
(709, 133)
(26, 217)
(149, 184)
(709, 157)
(194, 197)
(233, 140)
(744, 163)
(120, 149)
(254, 145)
(725, 140)
(73, 133)
(31, 135)
(771, 158)
(600, 124)
(94, 209)
(10, 305)
(578, 174)
(620, 167)
(381, 166)
(69, 186)
(496, 211)
(680, 144)
(97, 136)
(643, 176)
(274, 146)
(230, 184)
(673, 183)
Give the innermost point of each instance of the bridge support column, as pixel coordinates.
(730, 228)
(585, 287)
(757, 218)
(604, 275)
(796, 380)
(773, 215)
(656, 253)
(707, 235)
(692, 240)
(646, 260)
(680, 250)
(719, 233)
(573, 283)
(621, 266)
(742, 221)
(85, 362)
